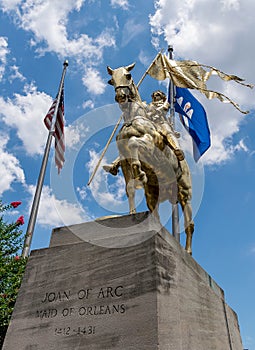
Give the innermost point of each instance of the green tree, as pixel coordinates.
(12, 265)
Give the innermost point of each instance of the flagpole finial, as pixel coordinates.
(65, 64)
(170, 48)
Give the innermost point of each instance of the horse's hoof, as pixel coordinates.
(189, 251)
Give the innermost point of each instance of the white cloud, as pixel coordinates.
(220, 153)
(82, 191)
(25, 113)
(88, 104)
(10, 168)
(3, 55)
(16, 74)
(104, 39)
(185, 25)
(74, 134)
(48, 21)
(144, 59)
(231, 4)
(110, 197)
(8, 5)
(93, 81)
(78, 4)
(120, 3)
(241, 146)
(56, 212)
(130, 31)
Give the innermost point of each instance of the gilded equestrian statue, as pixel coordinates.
(146, 158)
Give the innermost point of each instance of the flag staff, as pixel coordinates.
(171, 90)
(175, 208)
(37, 196)
(104, 150)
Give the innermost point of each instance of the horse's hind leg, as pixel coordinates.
(189, 224)
(184, 198)
(152, 196)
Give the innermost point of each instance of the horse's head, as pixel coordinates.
(123, 83)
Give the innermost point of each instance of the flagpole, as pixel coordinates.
(172, 111)
(147, 70)
(175, 208)
(37, 196)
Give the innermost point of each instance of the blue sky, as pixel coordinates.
(35, 39)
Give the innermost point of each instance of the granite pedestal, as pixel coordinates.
(120, 283)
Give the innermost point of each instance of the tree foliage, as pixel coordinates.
(12, 265)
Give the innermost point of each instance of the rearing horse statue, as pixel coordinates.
(145, 157)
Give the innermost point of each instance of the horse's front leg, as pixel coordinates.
(130, 191)
(139, 175)
(130, 185)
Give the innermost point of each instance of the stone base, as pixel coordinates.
(128, 293)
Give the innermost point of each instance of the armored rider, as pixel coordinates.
(156, 112)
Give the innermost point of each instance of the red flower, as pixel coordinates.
(17, 257)
(15, 204)
(20, 220)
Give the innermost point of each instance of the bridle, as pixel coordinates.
(130, 88)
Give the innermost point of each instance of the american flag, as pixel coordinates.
(59, 130)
